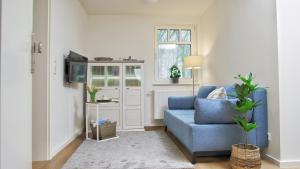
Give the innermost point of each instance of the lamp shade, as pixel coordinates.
(192, 62)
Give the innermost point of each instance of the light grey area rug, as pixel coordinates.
(132, 150)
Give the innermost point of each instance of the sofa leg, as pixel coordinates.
(194, 157)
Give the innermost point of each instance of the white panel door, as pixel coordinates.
(16, 83)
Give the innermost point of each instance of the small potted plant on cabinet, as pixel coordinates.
(245, 156)
(175, 74)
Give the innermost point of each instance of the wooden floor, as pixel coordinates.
(202, 163)
(59, 160)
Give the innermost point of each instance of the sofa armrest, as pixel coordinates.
(260, 117)
(179, 103)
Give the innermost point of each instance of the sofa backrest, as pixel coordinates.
(204, 91)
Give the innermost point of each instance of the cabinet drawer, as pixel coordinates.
(132, 97)
(133, 117)
(109, 93)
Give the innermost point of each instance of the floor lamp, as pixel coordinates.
(192, 62)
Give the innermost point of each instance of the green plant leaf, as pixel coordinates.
(175, 72)
(245, 105)
(250, 126)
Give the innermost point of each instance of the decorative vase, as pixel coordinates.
(245, 158)
(93, 98)
(175, 80)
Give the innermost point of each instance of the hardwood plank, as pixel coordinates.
(59, 160)
(153, 128)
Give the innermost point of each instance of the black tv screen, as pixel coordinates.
(75, 68)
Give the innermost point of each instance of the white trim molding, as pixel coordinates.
(282, 163)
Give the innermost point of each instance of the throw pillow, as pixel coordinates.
(219, 93)
(208, 111)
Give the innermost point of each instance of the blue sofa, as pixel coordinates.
(213, 139)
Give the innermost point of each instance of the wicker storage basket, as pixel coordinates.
(107, 130)
(242, 158)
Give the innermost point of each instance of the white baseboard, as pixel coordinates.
(154, 125)
(67, 142)
(289, 163)
(272, 159)
(283, 163)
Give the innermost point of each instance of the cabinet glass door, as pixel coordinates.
(133, 76)
(113, 76)
(98, 76)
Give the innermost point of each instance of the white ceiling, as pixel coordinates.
(147, 7)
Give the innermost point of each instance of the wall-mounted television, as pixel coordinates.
(75, 68)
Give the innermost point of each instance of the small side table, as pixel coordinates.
(87, 105)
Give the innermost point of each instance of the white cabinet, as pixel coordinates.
(124, 83)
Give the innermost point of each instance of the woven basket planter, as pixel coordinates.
(242, 158)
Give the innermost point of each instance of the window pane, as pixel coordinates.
(170, 54)
(166, 53)
(184, 51)
(113, 70)
(98, 70)
(113, 82)
(98, 82)
(185, 35)
(133, 76)
(113, 78)
(162, 35)
(174, 35)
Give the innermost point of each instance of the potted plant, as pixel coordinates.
(245, 156)
(92, 91)
(175, 73)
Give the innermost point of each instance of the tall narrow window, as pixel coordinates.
(172, 45)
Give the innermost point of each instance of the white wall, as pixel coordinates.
(288, 15)
(15, 112)
(237, 37)
(130, 35)
(67, 32)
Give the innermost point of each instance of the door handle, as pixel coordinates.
(37, 47)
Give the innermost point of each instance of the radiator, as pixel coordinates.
(161, 100)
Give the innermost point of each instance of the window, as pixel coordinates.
(173, 44)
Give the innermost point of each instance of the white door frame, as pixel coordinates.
(0, 84)
(40, 96)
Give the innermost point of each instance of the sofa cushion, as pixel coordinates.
(205, 90)
(219, 93)
(209, 111)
